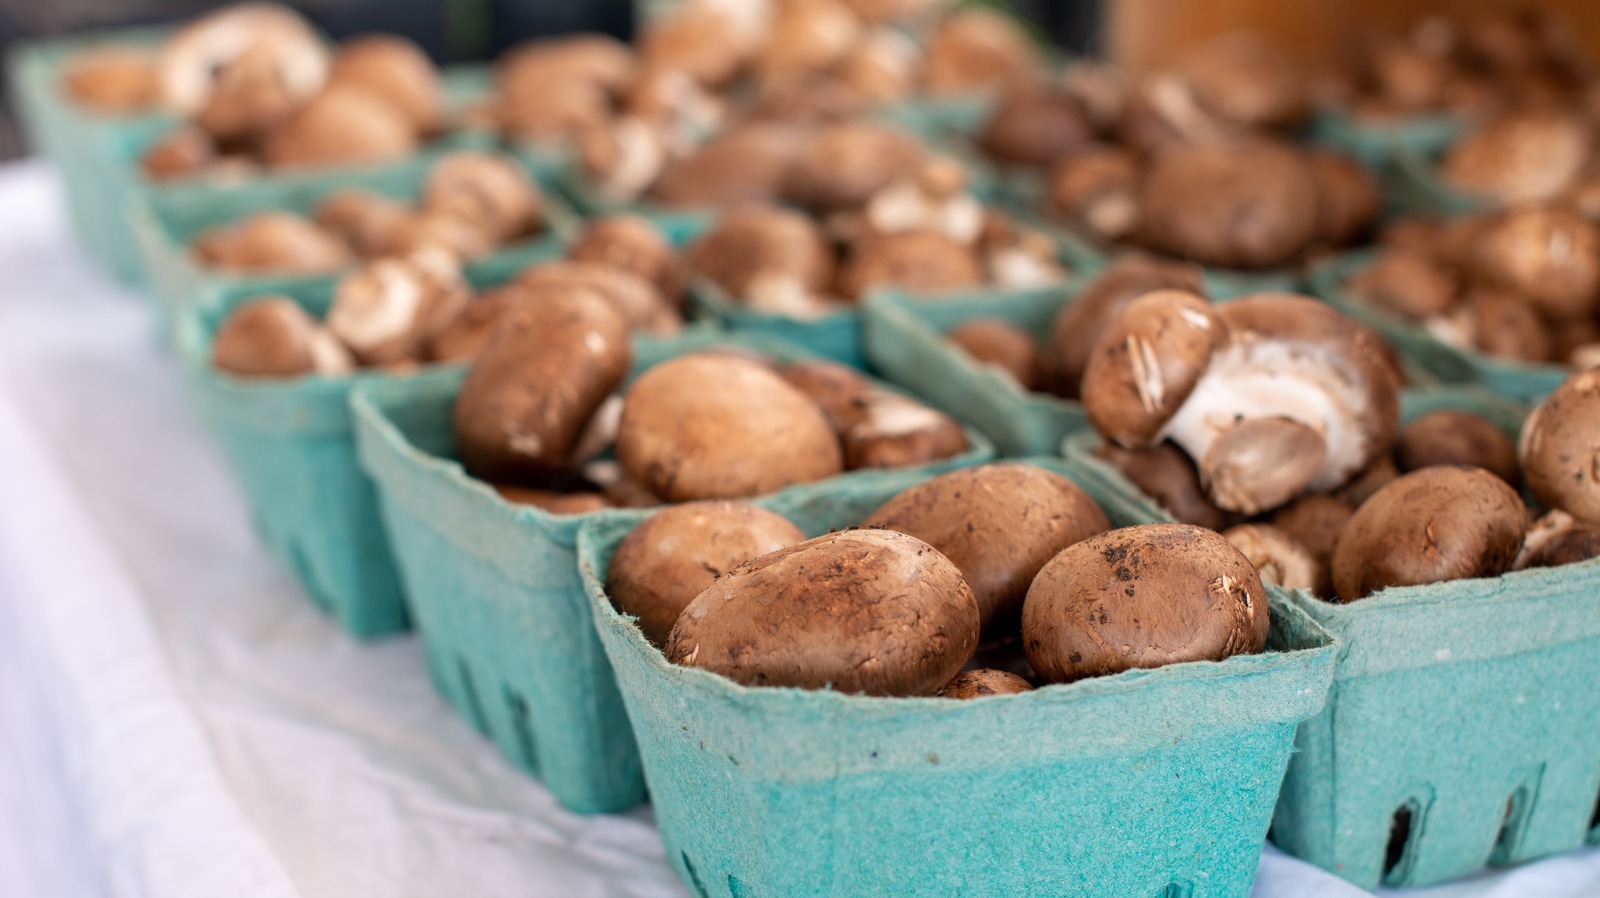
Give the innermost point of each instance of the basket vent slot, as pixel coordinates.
(1505, 844)
(738, 889)
(1177, 890)
(694, 876)
(522, 728)
(474, 704)
(1594, 819)
(1402, 842)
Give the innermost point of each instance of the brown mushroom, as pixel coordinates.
(1522, 156)
(973, 49)
(1557, 538)
(1548, 255)
(387, 310)
(1242, 80)
(274, 337)
(197, 60)
(714, 426)
(1498, 324)
(1276, 556)
(806, 38)
(1348, 204)
(1375, 476)
(918, 262)
(1432, 525)
(763, 254)
(1034, 125)
(1142, 597)
(746, 164)
(1558, 449)
(185, 152)
(1097, 188)
(466, 334)
(983, 682)
(841, 166)
(1164, 473)
(529, 396)
(366, 220)
(999, 344)
(551, 501)
(712, 44)
(636, 299)
(1455, 437)
(1315, 522)
(1080, 322)
(631, 243)
(342, 125)
(1405, 282)
(116, 79)
(486, 189)
(676, 553)
(859, 611)
(998, 523)
(275, 242)
(876, 428)
(398, 71)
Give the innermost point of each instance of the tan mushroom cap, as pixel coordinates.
(1456, 437)
(631, 243)
(1034, 125)
(185, 152)
(1557, 538)
(975, 48)
(1147, 361)
(1243, 80)
(1548, 255)
(397, 70)
(1277, 557)
(274, 337)
(1080, 322)
(997, 343)
(746, 164)
(859, 611)
(1248, 203)
(918, 262)
(1498, 324)
(1142, 597)
(1559, 450)
(807, 38)
(469, 331)
(1522, 156)
(487, 189)
(366, 220)
(554, 502)
(998, 523)
(343, 124)
(112, 78)
(1406, 282)
(1097, 186)
(593, 59)
(842, 165)
(636, 299)
(710, 44)
(1166, 474)
(753, 244)
(676, 553)
(1348, 204)
(1432, 525)
(715, 426)
(194, 56)
(277, 242)
(1315, 522)
(983, 682)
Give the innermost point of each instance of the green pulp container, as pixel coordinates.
(1521, 381)
(495, 589)
(1153, 784)
(1379, 141)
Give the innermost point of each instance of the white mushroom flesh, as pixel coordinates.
(328, 355)
(1550, 525)
(1017, 266)
(377, 305)
(904, 206)
(599, 434)
(640, 158)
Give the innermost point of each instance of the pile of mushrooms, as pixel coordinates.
(1491, 60)
(875, 224)
(402, 311)
(470, 204)
(1521, 284)
(982, 581)
(257, 86)
(1275, 420)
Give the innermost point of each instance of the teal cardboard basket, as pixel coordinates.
(495, 589)
(167, 223)
(74, 141)
(1414, 185)
(1153, 784)
(1522, 381)
(904, 341)
(291, 444)
(590, 202)
(1379, 141)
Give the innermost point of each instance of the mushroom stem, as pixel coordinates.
(1261, 463)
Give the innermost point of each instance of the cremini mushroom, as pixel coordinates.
(631, 243)
(748, 163)
(486, 189)
(918, 262)
(973, 49)
(398, 71)
(1521, 156)
(242, 60)
(1276, 556)
(638, 301)
(1034, 124)
(343, 124)
(1456, 437)
(997, 343)
(767, 257)
(983, 682)
(1096, 187)
(275, 242)
(841, 166)
(876, 428)
(1558, 538)
(274, 337)
(1164, 473)
(1547, 254)
(388, 309)
(1559, 451)
(368, 221)
(115, 79)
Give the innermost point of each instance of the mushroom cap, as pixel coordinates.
(715, 426)
(276, 242)
(463, 238)
(1348, 203)
(638, 301)
(1559, 451)
(975, 48)
(753, 244)
(1557, 538)
(1375, 476)
(1081, 321)
(184, 152)
(535, 385)
(1243, 80)
(552, 115)
(982, 682)
(113, 78)
(343, 124)
(998, 523)
(707, 42)
(486, 189)
(997, 343)
(859, 611)
(366, 220)
(1434, 524)
(1522, 156)
(1456, 437)
(589, 58)
(746, 164)
(558, 503)
(892, 431)
(676, 553)
(918, 262)
(1250, 203)
(1407, 282)
(842, 165)
(1276, 556)
(1314, 521)
(467, 333)
(1035, 124)
(274, 337)
(388, 309)
(1097, 187)
(631, 243)
(1166, 474)
(1502, 325)
(880, 67)
(1147, 361)
(397, 70)
(1142, 597)
(195, 57)
(806, 38)
(1548, 254)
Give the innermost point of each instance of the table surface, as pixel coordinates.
(176, 721)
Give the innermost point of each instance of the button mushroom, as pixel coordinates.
(388, 309)
(274, 242)
(1097, 188)
(1522, 156)
(918, 262)
(274, 337)
(860, 611)
(486, 189)
(766, 256)
(1034, 125)
(1455, 437)
(1557, 538)
(1272, 395)
(983, 682)
(1548, 255)
(633, 244)
(636, 299)
(1276, 556)
(876, 428)
(115, 79)
(1558, 449)
(399, 72)
(1142, 597)
(746, 164)
(1432, 525)
(675, 554)
(998, 523)
(841, 166)
(343, 124)
(1000, 345)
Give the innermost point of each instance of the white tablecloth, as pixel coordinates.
(176, 721)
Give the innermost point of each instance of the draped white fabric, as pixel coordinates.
(176, 721)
